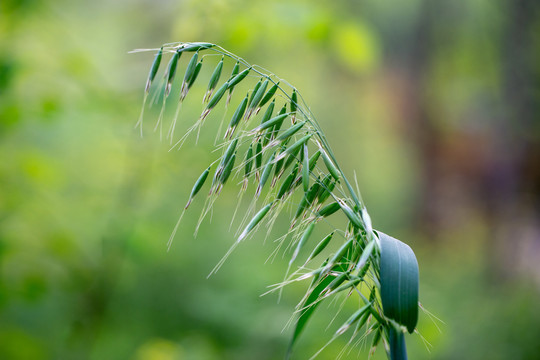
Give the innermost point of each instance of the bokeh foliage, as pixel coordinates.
(435, 113)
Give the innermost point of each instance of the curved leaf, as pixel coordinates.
(399, 281)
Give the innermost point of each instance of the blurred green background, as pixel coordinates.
(433, 103)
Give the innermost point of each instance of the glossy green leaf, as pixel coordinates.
(399, 281)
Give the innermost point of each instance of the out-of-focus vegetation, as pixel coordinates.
(434, 104)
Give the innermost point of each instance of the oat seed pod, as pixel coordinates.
(153, 70)
(198, 185)
(214, 79)
(269, 95)
(254, 222)
(171, 71)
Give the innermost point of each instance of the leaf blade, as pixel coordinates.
(399, 281)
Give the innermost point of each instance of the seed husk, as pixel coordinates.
(291, 158)
(234, 72)
(195, 73)
(294, 105)
(171, 71)
(198, 185)
(269, 95)
(258, 93)
(227, 169)
(254, 91)
(271, 122)
(313, 160)
(365, 255)
(354, 318)
(249, 161)
(214, 79)
(338, 255)
(190, 69)
(265, 174)
(278, 169)
(216, 97)
(297, 144)
(196, 46)
(321, 245)
(376, 339)
(258, 155)
(286, 185)
(303, 240)
(336, 282)
(327, 187)
(268, 113)
(352, 283)
(237, 117)
(278, 124)
(229, 152)
(290, 131)
(154, 69)
(330, 165)
(191, 80)
(235, 80)
(329, 209)
(307, 200)
(353, 217)
(254, 222)
(305, 169)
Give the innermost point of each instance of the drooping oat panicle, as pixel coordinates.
(363, 263)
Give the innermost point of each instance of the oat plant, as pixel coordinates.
(271, 147)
